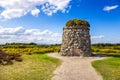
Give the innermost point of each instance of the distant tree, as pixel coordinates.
(32, 43)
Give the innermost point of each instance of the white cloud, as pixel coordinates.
(97, 37)
(32, 32)
(12, 13)
(56, 35)
(109, 8)
(20, 34)
(35, 12)
(46, 32)
(11, 31)
(18, 8)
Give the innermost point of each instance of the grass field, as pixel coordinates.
(109, 68)
(21, 48)
(37, 65)
(106, 48)
(33, 67)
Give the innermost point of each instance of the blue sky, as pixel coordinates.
(42, 21)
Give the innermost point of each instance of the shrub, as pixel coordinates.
(6, 58)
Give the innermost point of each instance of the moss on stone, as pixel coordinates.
(77, 22)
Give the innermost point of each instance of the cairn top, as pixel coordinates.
(76, 23)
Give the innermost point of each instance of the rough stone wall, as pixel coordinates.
(76, 41)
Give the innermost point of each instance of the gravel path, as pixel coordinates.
(76, 68)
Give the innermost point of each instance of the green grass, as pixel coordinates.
(33, 67)
(109, 68)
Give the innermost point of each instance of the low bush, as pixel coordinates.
(6, 58)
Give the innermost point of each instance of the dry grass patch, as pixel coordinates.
(33, 67)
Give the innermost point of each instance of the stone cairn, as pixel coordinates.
(76, 39)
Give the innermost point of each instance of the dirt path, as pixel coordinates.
(75, 68)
